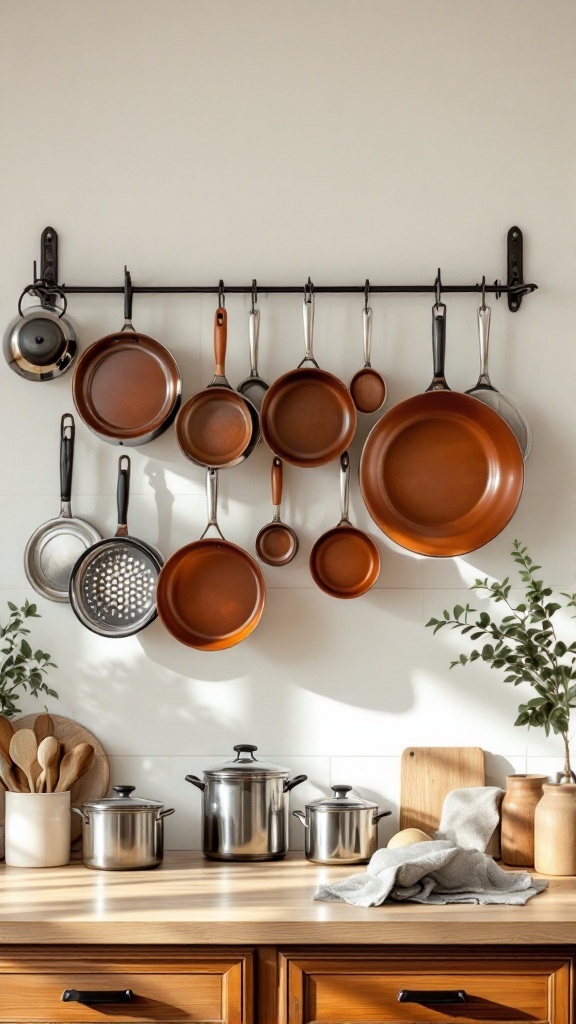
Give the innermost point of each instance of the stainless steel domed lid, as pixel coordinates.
(245, 765)
(341, 801)
(123, 802)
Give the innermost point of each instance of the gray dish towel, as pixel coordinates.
(433, 872)
(470, 816)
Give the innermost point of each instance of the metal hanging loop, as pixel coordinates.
(367, 296)
(254, 295)
(483, 301)
(438, 287)
(128, 294)
(308, 291)
(221, 295)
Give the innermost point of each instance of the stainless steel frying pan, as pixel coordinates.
(55, 546)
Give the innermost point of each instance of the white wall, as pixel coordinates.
(193, 140)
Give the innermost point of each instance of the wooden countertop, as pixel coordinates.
(189, 899)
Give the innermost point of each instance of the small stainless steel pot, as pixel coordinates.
(40, 343)
(123, 833)
(245, 809)
(340, 829)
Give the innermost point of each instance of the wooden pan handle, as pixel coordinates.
(220, 335)
(276, 481)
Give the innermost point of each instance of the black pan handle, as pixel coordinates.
(123, 495)
(294, 782)
(67, 432)
(431, 996)
(74, 995)
(438, 347)
(196, 782)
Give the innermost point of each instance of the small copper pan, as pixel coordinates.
(127, 386)
(276, 543)
(441, 473)
(218, 428)
(344, 561)
(211, 593)
(308, 416)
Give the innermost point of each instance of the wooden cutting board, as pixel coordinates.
(428, 774)
(95, 783)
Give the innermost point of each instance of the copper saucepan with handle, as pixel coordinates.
(211, 593)
(308, 416)
(127, 386)
(276, 543)
(344, 561)
(441, 473)
(218, 427)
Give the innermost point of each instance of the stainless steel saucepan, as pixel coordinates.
(245, 810)
(341, 829)
(123, 833)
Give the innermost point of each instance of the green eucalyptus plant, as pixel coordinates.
(523, 644)
(20, 666)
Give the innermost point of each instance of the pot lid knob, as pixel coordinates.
(242, 748)
(340, 791)
(123, 791)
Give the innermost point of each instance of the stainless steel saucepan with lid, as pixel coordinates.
(341, 829)
(245, 809)
(123, 833)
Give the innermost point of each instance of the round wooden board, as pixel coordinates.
(95, 783)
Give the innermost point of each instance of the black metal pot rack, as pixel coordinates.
(47, 287)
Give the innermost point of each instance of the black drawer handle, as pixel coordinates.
(72, 995)
(425, 996)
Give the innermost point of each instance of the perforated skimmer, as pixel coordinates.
(113, 584)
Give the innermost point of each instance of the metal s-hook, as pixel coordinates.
(367, 296)
(221, 296)
(254, 295)
(438, 288)
(483, 286)
(128, 326)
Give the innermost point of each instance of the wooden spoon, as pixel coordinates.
(48, 757)
(7, 775)
(43, 727)
(23, 750)
(6, 734)
(73, 765)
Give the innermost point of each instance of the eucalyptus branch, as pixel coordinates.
(21, 667)
(525, 645)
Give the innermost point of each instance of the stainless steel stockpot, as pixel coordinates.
(341, 829)
(245, 808)
(123, 833)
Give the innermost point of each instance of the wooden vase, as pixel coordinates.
(523, 793)
(555, 831)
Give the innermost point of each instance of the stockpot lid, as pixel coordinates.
(245, 765)
(342, 802)
(123, 801)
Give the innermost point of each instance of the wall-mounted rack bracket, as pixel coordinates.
(515, 249)
(515, 288)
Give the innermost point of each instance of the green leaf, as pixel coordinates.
(25, 649)
(487, 652)
(458, 611)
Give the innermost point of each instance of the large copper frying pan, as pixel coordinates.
(441, 473)
(210, 593)
(127, 386)
(218, 428)
(308, 416)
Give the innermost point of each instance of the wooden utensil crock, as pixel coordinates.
(555, 830)
(523, 792)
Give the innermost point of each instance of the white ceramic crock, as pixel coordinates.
(37, 829)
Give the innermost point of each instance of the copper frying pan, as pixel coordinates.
(210, 593)
(218, 428)
(441, 473)
(127, 386)
(308, 416)
(344, 561)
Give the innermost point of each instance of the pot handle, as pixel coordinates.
(196, 782)
(301, 817)
(78, 810)
(164, 814)
(383, 814)
(288, 785)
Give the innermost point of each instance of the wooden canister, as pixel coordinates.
(523, 793)
(555, 830)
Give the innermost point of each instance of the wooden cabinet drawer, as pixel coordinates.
(333, 988)
(183, 985)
